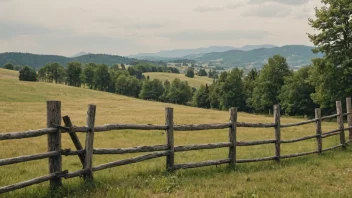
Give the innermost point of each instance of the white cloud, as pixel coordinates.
(270, 11)
(203, 9)
(287, 2)
(125, 27)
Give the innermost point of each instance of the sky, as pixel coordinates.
(128, 27)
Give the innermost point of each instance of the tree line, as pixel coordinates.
(320, 84)
(258, 91)
(119, 79)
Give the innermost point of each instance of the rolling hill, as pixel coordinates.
(296, 55)
(23, 107)
(37, 60)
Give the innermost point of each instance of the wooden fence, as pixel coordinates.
(55, 152)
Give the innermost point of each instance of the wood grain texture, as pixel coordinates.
(89, 142)
(169, 122)
(74, 138)
(54, 140)
(340, 123)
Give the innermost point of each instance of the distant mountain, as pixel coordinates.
(167, 55)
(253, 47)
(296, 55)
(37, 61)
(79, 54)
(183, 52)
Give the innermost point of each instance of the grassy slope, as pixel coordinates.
(193, 82)
(22, 107)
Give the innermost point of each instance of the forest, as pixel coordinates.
(320, 84)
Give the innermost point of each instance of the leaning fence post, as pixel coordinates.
(232, 136)
(318, 129)
(54, 140)
(74, 137)
(340, 122)
(89, 142)
(277, 131)
(349, 116)
(170, 158)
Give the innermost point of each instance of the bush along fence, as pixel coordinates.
(55, 152)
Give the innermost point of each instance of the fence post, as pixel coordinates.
(340, 122)
(89, 142)
(74, 137)
(318, 130)
(277, 131)
(169, 122)
(232, 136)
(349, 117)
(54, 140)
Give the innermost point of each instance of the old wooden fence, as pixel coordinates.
(55, 152)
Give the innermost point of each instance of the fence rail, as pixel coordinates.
(55, 152)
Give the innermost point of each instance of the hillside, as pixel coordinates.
(37, 61)
(296, 55)
(23, 107)
(196, 82)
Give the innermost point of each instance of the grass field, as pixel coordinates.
(196, 82)
(23, 107)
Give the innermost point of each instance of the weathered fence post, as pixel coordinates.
(74, 138)
(340, 122)
(318, 129)
(232, 136)
(277, 131)
(89, 142)
(349, 117)
(54, 140)
(169, 122)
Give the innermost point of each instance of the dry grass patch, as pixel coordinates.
(22, 107)
(196, 82)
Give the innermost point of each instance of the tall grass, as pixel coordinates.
(22, 107)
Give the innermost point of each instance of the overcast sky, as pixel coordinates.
(127, 27)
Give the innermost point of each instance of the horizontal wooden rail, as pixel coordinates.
(255, 125)
(256, 160)
(67, 152)
(201, 146)
(330, 134)
(130, 150)
(130, 160)
(32, 181)
(26, 134)
(78, 173)
(27, 158)
(298, 154)
(329, 116)
(201, 164)
(333, 147)
(198, 127)
(298, 123)
(344, 114)
(260, 142)
(111, 127)
(299, 139)
(334, 132)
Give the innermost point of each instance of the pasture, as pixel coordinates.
(23, 107)
(196, 82)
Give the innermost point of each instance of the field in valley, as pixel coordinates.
(196, 82)
(23, 107)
